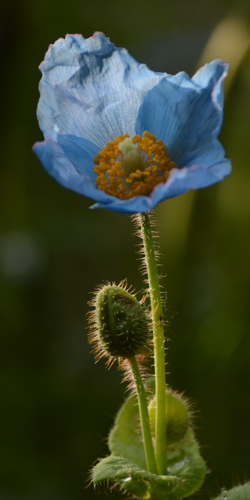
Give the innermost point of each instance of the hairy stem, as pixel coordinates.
(158, 335)
(143, 410)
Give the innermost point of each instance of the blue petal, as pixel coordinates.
(59, 166)
(80, 152)
(187, 115)
(194, 177)
(137, 204)
(91, 89)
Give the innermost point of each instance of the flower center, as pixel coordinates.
(130, 167)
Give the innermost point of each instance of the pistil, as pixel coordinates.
(131, 158)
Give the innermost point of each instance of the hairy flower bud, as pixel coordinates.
(177, 416)
(120, 323)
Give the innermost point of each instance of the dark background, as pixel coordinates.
(57, 405)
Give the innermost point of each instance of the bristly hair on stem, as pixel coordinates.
(136, 219)
(128, 378)
(144, 221)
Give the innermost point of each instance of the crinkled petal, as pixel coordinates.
(187, 115)
(91, 89)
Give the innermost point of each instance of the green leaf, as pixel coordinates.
(125, 438)
(127, 464)
(123, 471)
(185, 461)
(238, 493)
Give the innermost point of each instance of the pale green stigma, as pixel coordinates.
(131, 158)
(126, 145)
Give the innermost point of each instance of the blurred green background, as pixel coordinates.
(57, 406)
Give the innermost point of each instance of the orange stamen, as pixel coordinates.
(111, 176)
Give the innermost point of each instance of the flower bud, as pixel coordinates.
(177, 416)
(120, 323)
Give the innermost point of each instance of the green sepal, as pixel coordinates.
(241, 492)
(127, 464)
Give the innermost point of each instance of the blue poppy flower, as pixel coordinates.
(123, 135)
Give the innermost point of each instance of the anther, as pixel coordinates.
(140, 163)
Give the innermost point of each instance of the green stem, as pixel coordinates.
(158, 335)
(143, 410)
